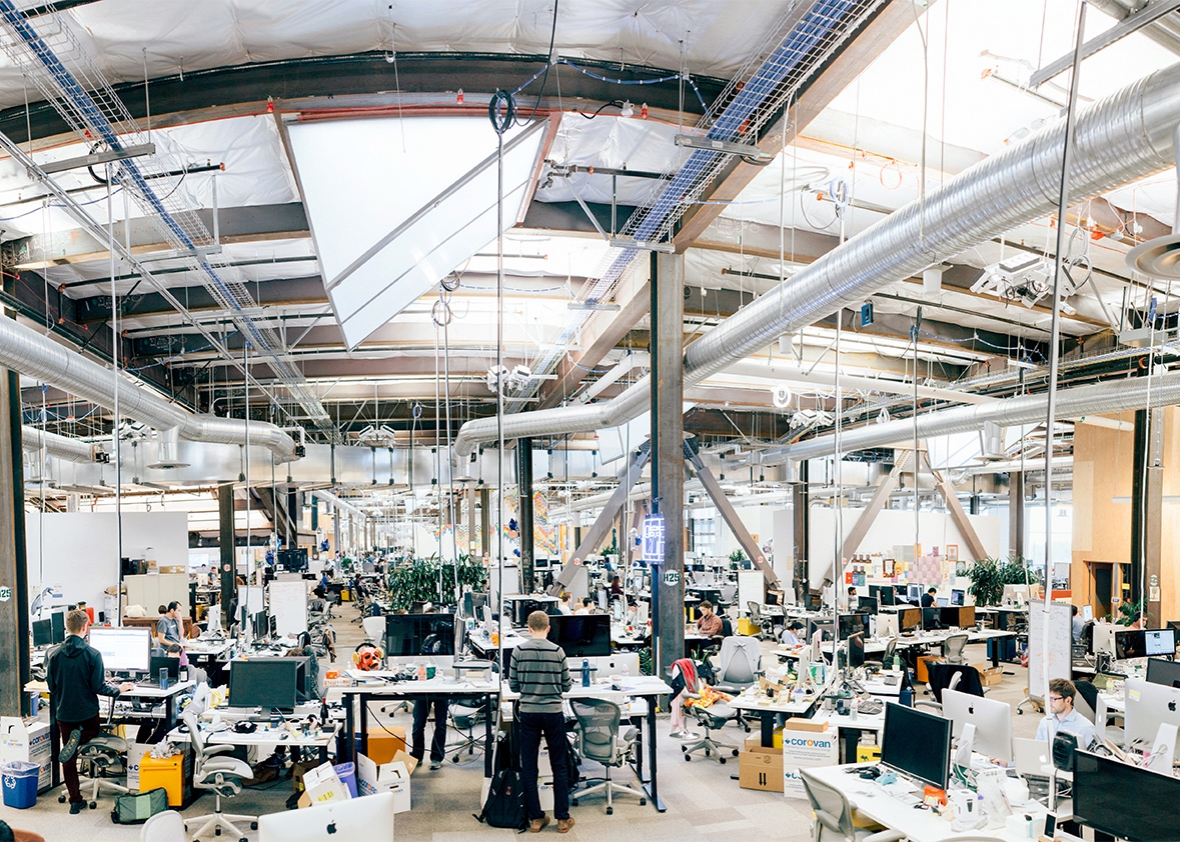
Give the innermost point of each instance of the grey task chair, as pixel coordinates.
(760, 620)
(100, 754)
(598, 728)
(886, 659)
(833, 815)
(167, 826)
(710, 718)
(953, 649)
(222, 775)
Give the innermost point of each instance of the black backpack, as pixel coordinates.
(505, 804)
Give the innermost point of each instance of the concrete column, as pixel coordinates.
(1016, 525)
(524, 490)
(802, 529)
(485, 520)
(1147, 501)
(471, 525)
(667, 434)
(225, 523)
(14, 585)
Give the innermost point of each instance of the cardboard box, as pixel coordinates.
(298, 770)
(384, 743)
(804, 750)
(322, 785)
(410, 763)
(389, 777)
(135, 753)
(761, 768)
(814, 725)
(174, 774)
(990, 676)
(30, 743)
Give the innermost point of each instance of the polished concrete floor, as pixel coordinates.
(703, 800)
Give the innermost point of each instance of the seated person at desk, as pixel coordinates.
(791, 633)
(616, 587)
(1062, 716)
(708, 623)
(168, 626)
(928, 598)
(76, 679)
(1077, 624)
(587, 606)
(566, 604)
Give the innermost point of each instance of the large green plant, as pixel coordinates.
(431, 580)
(1129, 612)
(989, 575)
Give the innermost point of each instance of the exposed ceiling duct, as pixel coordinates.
(31, 354)
(1127, 135)
(342, 505)
(1098, 399)
(59, 447)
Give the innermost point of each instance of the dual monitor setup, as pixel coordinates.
(429, 635)
(51, 631)
(888, 595)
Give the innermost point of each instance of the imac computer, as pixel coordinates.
(851, 624)
(914, 593)
(370, 818)
(867, 604)
(917, 744)
(992, 720)
(1148, 707)
(910, 619)
(42, 632)
(126, 650)
(1122, 800)
(1160, 642)
(888, 595)
(958, 597)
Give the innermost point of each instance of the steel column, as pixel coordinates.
(801, 533)
(1016, 523)
(225, 522)
(524, 491)
(14, 586)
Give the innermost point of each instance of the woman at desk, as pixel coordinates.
(616, 587)
(791, 634)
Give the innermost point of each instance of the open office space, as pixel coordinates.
(604, 418)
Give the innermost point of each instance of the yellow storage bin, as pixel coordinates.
(747, 628)
(173, 773)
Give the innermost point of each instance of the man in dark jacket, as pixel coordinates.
(76, 679)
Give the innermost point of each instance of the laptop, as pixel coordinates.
(1032, 756)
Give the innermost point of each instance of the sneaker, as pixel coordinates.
(435, 765)
(71, 746)
(563, 825)
(77, 807)
(537, 825)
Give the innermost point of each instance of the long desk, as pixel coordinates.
(768, 710)
(265, 736)
(872, 801)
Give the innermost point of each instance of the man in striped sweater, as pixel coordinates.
(540, 675)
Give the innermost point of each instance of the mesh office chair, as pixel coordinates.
(598, 728)
(886, 659)
(833, 815)
(953, 649)
(465, 719)
(714, 716)
(222, 775)
(102, 754)
(762, 621)
(739, 663)
(374, 629)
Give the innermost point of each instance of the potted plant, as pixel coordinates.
(1129, 612)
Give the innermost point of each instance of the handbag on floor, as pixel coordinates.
(138, 807)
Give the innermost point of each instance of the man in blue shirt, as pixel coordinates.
(1063, 718)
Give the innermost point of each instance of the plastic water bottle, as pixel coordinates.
(585, 673)
(853, 707)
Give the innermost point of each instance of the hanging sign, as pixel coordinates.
(653, 538)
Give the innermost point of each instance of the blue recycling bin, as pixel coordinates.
(18, 779)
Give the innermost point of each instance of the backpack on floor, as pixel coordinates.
(505, 804)
(138, 807)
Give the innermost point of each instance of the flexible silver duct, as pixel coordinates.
(59, 447)
(342, 505)
(1123, 137)
(1098, 399)
(32, 354)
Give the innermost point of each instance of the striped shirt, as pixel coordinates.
(539, 673)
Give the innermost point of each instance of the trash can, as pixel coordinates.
(18, 779)
(347, 774)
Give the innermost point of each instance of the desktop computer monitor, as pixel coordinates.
(909, 619)
(992, 720)
(581, 635)
(58, 618)
(917, 744)
(888, 595)
(914, 593)
(826, 626)
(418, 635)
(1131, 643)
(958, 597)
(1123, 800)
(265, 683)
(1163, 672)
(370, 818)
(42, 632)
(1160, 642)
(163, 662)
(259, 625)
(867, 604)
(1148, 707)
(851, 624)
(125, 649)
(856, 650)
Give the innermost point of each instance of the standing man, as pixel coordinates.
(708, 623)
(540, 675)
(168, 626)
(1062, 717)
(76, 679)
(422, 708)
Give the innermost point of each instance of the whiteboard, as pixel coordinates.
(1059, 655)
(751, 588)
(288, 605)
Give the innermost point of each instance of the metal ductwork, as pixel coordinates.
(342, 505)
(32, 354)
(1125, 136)
(59, 447)
(1098, 399)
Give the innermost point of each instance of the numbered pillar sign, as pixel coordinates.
(653, 538)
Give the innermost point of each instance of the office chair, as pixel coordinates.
(167, 826)
(598, 727)
(739, 663)
(223, 775)
(937, 706)
(101, 754)
(464, 719)
(886, 659)
(374, 628)
(833, 815)
(953, 649)
(714, 716)
(760, 620)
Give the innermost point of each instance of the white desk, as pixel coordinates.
(873, 802)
